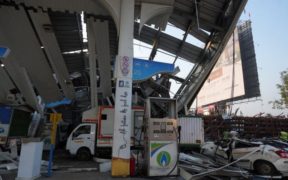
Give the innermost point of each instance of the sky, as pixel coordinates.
(269, 26)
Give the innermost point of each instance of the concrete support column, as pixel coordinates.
(123, 97)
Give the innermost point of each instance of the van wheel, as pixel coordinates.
(83, 154)
(264, 168)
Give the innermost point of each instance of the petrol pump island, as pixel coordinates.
(153, 143)
(161, 146)
(146, 147)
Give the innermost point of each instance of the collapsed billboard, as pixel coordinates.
(233, 78)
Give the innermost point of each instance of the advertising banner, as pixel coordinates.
(226, 79)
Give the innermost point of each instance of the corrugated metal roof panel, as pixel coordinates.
(168, 43)
(68, 31)
(74, 62)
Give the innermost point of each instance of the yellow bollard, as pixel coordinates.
(55, 118)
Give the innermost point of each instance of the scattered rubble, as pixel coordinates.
(200, 166)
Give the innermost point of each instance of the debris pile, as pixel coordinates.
(199, 166)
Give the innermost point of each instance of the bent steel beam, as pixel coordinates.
(194, 81)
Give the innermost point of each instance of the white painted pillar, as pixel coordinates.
(123, 100)
(126, 28)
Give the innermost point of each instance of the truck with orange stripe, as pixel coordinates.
(93, 137)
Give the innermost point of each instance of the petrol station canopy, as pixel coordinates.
(49, 54)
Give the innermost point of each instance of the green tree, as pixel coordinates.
(282, 103)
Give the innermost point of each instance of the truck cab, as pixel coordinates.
(81, 141)
(94, 135)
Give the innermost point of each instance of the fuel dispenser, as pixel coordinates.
(161, 137)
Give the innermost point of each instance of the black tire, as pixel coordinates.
(264, 168)
(83, 154)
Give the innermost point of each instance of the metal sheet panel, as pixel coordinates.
(42, 24)
(192, 130)
(22, 81)
(68, 30)
(74, 62)
(92, 64)
(101, 31)
(22, 41)
(20, 77)
(168, 43)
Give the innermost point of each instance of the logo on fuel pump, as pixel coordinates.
(163, 159)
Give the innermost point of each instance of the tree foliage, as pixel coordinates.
(282, 103)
